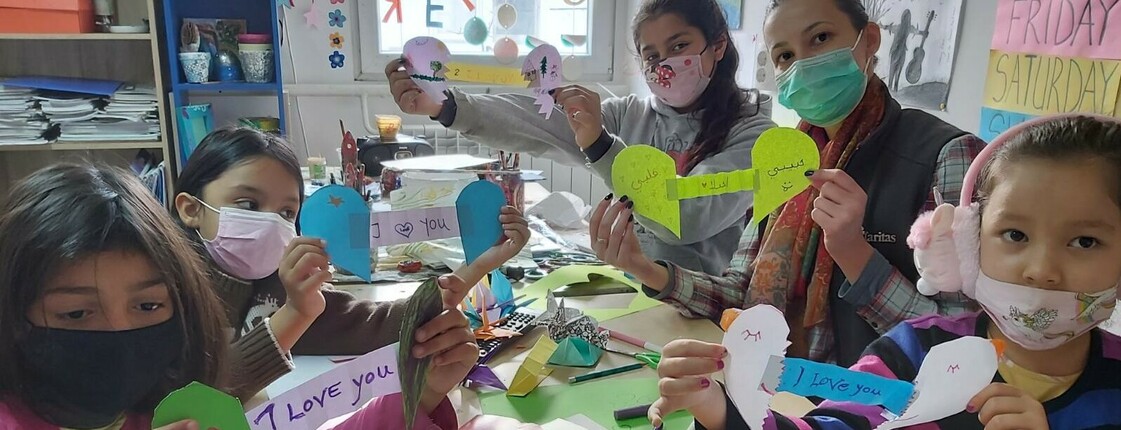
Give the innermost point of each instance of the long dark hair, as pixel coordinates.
(1060, 139)
(724, 102)
(226, 148)
(67, 212)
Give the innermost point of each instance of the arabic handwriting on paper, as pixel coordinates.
(782, 155)
(634, 171)
(322, 215)
(751, 339)
(950, 375)
(831, 382)
(337, 392)
(426, 63)
(711, 184)
(413, 225)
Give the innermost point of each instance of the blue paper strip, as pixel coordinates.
(477, 207)
(831, 382)
(339, 215)
(996, 121)
(99, 87)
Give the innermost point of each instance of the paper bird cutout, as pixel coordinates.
(533, 369)
(575, 352)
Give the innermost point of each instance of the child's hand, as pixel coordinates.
(515, 234)
(449, 340)
(181, 425)
(409, 97)
(686, 383)
(585, 114)
(1004, 407)
(303, 271)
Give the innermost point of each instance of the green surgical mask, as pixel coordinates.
(824, 89)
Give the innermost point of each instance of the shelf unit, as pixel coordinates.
(133, 58)
(260, 16)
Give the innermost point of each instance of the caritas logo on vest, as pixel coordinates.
(878, 237)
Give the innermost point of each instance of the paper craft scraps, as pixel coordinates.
(596, 400)
(207, 406)
(576, 352)
(830, 382)
(576, 274)
(424, 305)
(564, 322)
(339, 215)
(780, 159)
(354, 172)
(425, 62)
(752, 338)
(533, 369)
(484, 375)
(340, 391)
(542, 70)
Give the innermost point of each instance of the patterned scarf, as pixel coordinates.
(793, 269)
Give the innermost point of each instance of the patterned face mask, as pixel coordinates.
(1038, 319)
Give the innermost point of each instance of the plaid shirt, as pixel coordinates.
(894, 297)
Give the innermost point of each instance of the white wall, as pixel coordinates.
(318, 96)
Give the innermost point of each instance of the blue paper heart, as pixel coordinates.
(339, 215)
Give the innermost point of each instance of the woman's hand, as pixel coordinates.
(303, 271)
(1004, 407)
(585, 114)
(448, 339)
(686, 383)
(613, 239)
(839, 210)
(408, 96)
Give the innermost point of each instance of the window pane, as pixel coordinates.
(546, 20)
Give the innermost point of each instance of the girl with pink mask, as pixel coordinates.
(1037, 246)
(697, 114)
(239, 196)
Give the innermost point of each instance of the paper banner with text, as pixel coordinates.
(950, 374)
(1049, 57)
(339, 216)
(780, 158)
(428, 63)
(339, 391)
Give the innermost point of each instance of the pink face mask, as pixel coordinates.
(1038, 319)
(249, 244)
(678, 81)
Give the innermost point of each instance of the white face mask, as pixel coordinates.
(1039, 319)
(249, 244)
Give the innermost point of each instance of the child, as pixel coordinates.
(239, 196)
(1048, 275)
(698, 115)
(106, 309)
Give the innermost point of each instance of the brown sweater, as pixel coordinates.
(348, 326)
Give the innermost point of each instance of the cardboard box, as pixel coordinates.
(46, 16)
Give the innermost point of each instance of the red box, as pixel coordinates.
(46, 16)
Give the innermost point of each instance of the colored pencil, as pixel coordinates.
(605, 373)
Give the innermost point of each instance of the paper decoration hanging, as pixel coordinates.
(394, 6)
(426, 61)
(574, 40)
(507, 15)
(475, 31)
(951, 374)
(542, 70)
(533, 42)
(313, 17)
(780, 159)
(506, 50)
(336, 18)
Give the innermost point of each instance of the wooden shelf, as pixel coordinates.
(75, 36)
(83, 146)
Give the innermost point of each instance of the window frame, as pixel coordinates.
(599, 66)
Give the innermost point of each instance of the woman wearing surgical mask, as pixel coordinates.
(834, 258)
(697, 114)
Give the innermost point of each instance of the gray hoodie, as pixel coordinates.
(710, 226)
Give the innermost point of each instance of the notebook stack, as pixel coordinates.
(128, 115)
(21, 121)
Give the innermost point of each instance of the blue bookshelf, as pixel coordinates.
(260, 16)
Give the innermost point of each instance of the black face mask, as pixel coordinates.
(87, 379)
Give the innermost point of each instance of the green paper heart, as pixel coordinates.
(640, 172)
(210, 407)
(781, 157)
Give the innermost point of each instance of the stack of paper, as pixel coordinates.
(128, 115)
(21, 121)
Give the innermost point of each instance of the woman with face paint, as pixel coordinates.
(697, 114)
(834, 258)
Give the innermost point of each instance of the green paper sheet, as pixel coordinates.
(210, 407)
(597, 400)
(580, 273)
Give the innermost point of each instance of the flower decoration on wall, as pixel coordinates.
(338, 1)
(336, 18)
(337, 40)
(337, 60)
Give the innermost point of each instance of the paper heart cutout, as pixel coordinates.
(781, 157)
(641, 172)
(426, 63)
(477, 209)
(339, 215)
(754, 336)
(405, 229)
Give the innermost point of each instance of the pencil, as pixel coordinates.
(605, 373)
(635, 341)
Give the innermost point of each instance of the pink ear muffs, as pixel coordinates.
(946, 240)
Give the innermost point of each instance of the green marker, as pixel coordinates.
(605, 373)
